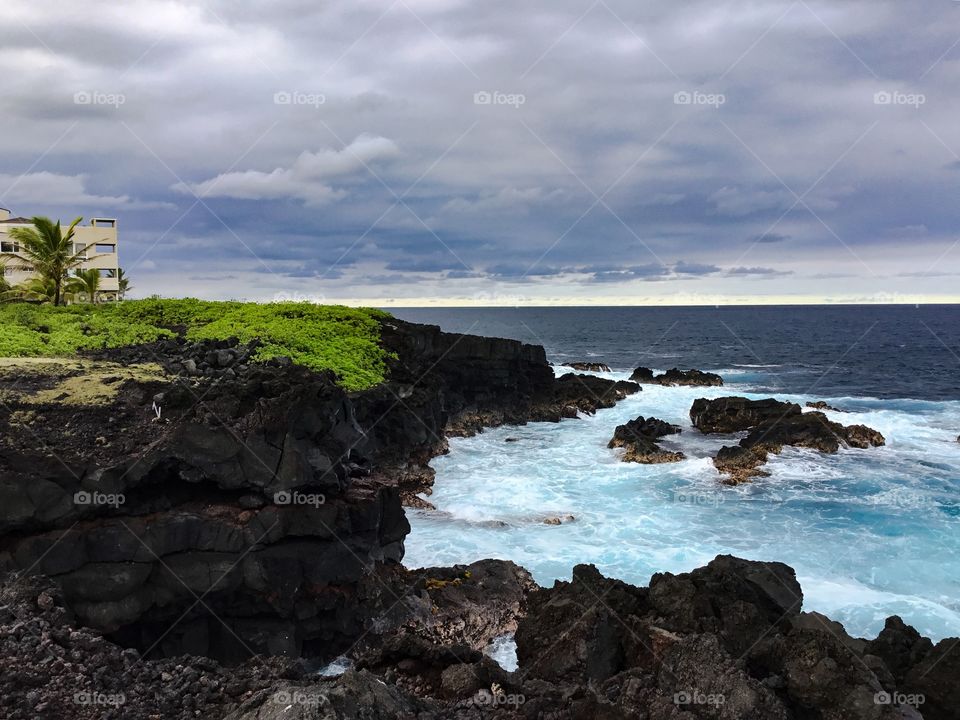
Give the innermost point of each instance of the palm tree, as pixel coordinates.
(36, 289)
(85, 282)
(49, 250)
(123, 283)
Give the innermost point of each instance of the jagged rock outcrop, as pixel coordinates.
(53, 669)
(254, 506)
(241, 512)
(187, 501)
(734, 414)
(772, 425)
(639, 437)
(584, 393)
(676, 376)
(728, 640)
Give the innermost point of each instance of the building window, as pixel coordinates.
(108, 273)
(103, 222)
(9, 246)
(105, 248)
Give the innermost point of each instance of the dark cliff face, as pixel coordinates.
(254, 507)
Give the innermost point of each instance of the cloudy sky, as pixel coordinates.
(447, 152)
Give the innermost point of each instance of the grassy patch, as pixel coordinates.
(321, 337)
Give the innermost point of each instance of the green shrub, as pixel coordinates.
(321, 337)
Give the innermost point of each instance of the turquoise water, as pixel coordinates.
(870, 533)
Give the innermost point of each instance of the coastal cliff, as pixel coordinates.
(172, 509)
(250, 506)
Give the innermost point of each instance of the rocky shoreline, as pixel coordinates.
(171, 510)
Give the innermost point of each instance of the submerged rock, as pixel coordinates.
(588, 366)
(822, 405)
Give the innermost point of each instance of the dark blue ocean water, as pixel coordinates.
(883, 351)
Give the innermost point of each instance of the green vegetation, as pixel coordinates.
(85, 283)
(321, 337)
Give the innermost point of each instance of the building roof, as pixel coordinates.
(16, 221)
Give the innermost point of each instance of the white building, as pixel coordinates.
(99, 237)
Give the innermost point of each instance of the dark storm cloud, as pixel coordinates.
(457, 143)
(769, 238)
(424, 264)
(692, 268)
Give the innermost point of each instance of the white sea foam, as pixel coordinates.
(870, 532)
(503, 651)
(336, 668)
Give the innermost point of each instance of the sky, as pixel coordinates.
(445, 152)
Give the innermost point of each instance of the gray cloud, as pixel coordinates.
(757, 271)
(599, 179)
(767, 238)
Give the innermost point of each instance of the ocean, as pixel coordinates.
(871, 533)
